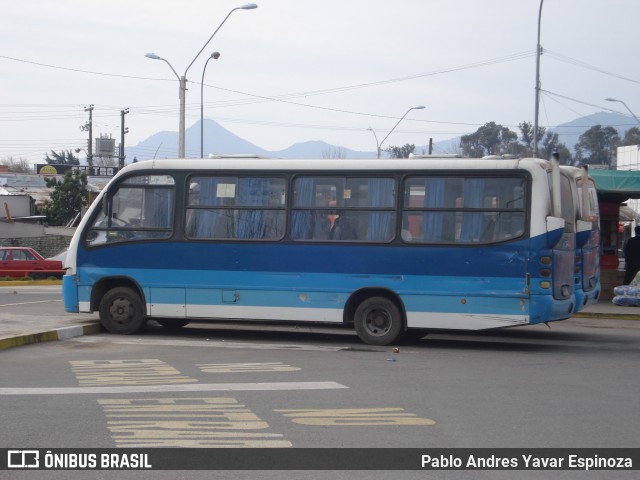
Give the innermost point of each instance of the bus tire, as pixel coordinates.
(122, 312)
(172, 323)
(378, 321)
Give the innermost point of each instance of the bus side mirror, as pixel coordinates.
(555, 230)
(583, 234)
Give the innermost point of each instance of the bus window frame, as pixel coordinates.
(481, 174)
(341, 179)
(186, 205)
(106, 209)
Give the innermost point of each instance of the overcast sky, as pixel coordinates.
(297, 70)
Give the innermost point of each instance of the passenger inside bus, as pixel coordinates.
(331, 225)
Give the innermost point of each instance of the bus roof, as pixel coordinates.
(315, 165)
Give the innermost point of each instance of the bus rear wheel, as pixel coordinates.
(121, 311)
(378, 321)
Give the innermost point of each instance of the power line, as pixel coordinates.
(579, 63)
(78, 70)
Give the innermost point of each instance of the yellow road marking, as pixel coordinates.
(127, 372)
(354, 417)
(187, 422)
(246, 367)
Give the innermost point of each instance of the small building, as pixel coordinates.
(619, 198)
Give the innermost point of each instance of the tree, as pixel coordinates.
(526, 136)
(21, 165)
(63, 158)
(401, 152)
(631, 137)
(596, 145)
(333, 152)
(67, 199)
(551, 144)
(490, 139)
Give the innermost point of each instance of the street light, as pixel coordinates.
(215, 56)
(626, 106)
(379, 145)
(537, 106)
(183, 79)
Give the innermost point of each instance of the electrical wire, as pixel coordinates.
(579, 63)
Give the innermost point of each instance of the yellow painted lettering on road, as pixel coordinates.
(246, 367)
(127, 372)
(354, 417)
(209, 422)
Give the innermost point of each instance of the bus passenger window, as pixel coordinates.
(234, 207)
(344, 209)
(463, 210)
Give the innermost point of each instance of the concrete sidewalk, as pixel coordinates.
(17, 330)
(21, 329)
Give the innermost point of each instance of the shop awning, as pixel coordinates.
(616, 186)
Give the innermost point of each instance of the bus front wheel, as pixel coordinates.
(378, 321)
(121, 311)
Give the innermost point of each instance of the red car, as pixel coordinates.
(26, 262)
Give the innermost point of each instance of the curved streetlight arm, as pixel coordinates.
(625, 105)
(248, 6)
(215, 56)
(377, 144)
(394, 127)
(153, 56)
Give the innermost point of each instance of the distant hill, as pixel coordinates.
(569, 133)
(219, 140)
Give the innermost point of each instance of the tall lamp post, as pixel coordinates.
(379, 145)
(537, 106)
(626, 106)
(215, 56)
(183, 79)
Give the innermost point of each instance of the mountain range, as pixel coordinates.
(220, 141)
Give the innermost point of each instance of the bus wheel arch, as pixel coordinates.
(121, 305)
(377, 315)
(104, 285)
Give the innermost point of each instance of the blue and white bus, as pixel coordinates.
(587, 226)
(384, 246)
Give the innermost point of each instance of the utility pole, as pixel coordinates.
(122, 132)
(90, 149)
(431, 146)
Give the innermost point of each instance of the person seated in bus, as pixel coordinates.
(331, 225)
(343, 228)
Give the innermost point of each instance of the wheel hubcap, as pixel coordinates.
(121, 310)
(378, 322)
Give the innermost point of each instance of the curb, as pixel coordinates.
(28, 283)
(607, 316)
(50, 336)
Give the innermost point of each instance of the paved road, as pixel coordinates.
(571, 386)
